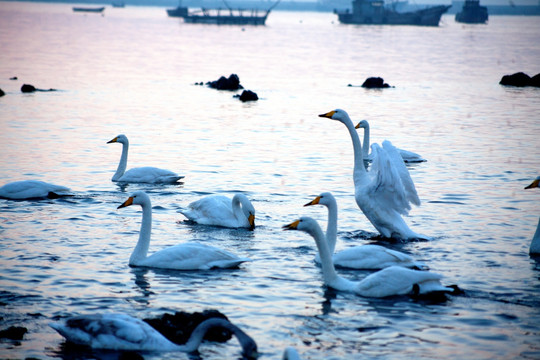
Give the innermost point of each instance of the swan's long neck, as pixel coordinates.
(247, 343)
(359, 167)
(535, 243)
(141, 249)
(122, 165)
(365, 145)
(327, 265)
(331, 227)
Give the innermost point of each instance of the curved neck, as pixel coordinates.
(141, 249)
(365, 145)
(331, 227)
(237, 209)
(123, 162)
(535, 243)
(329, 272)
(359, 166)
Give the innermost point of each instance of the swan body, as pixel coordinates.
(220, 210)
(390, 281)
(358, 257)
(123, 332)
(147, 174)
(31, 189)
(535, 243)
(187, 256)
(290, 353)
(407, 156)
(386, 191)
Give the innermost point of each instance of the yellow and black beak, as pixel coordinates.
(357, 126)
(292, 226)
(328, 114)
(113, 140)
(534, 184)
(251, 220)
(314, 201)
(128, 202)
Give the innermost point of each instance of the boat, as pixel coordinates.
(89, 9)
(228, 16)
(472, 13)
(373, 12)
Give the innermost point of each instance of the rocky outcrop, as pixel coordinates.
(247, 95)
(375, 83)
(520, 79)
(223, 83)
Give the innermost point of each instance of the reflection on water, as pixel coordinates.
(133, 71)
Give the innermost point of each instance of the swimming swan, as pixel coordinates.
(124, 332)
(393, 280)
(407, 156)
(147, 174)
(187, 256)
(220, 210)
(535, 243)
(386, 191)
(31, 189)
(358, 257)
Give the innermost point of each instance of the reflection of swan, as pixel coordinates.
(145, 174)
(386, 191)
(187, 256)
(358, 257)
(124, 332)
(535, 243)
(407, 156)
(220, 210)
(31, 189)
(393, 280)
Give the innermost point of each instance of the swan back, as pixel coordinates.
(31, 189)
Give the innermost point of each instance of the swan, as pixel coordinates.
(32, 189)
(290, 353)
(115, 331)
(386, 191)
(147, 174)
(187, 256)
(535, 243)
(390, 281)
(407, 156)
(220, 210)
(358, 257)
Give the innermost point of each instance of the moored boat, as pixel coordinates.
(472, 13)
(89, 9)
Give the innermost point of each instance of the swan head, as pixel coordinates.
(305, 224)
(338, 114)
(137, 198)
(362, 125)
(122, 139)
(247, 209)
(535, 183)
(325, 199)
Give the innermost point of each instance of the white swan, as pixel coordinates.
(535, 243)
(124, 332)
(393, 280)
(147, 174)
(219, 210)
(385, 192)
(290, 353)
(187, 256)
(358, 257)
(407, 156)
(32, 189)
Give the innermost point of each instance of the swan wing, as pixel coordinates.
(149, 174)
(213, 210)
(371, 257)
(192, 256)
(409, 156)
(112, 331)
(30, 189)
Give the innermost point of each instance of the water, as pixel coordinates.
(133, 71)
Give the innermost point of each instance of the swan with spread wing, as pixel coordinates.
(386, 191)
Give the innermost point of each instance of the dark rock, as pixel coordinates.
(13, 333)
(13, 78)
(375, 83)
(178, 327)
(2, 93)
(535, 80)
(248, 95)
(232, 83)
(26, 88)
(518, 79)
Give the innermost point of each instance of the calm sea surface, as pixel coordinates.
(133, 71)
